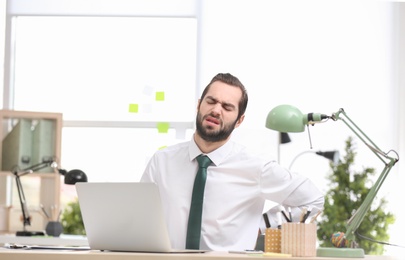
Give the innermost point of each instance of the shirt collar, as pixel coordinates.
(217, 156)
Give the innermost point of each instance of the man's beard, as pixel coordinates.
(213, 136)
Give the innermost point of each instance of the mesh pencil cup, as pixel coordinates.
(272, 240)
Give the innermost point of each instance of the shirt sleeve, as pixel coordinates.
(147, 175)
(290, 190)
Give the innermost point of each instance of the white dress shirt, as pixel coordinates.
(235, 192)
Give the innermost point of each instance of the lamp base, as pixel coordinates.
(29, 233)
(340, 252)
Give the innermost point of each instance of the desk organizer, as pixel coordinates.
(272, 240)
(54, 228)
(298, 239)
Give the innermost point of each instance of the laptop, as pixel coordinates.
(125, 216)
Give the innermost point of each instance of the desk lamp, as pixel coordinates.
(287, 118)
(71, 177)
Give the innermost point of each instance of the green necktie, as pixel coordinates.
(194, 219)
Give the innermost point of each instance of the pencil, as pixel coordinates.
(303, 213)
(279, 220)
(315, 216)
(44, 211)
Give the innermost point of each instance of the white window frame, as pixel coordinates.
(89, 8)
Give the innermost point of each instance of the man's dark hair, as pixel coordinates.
(233, 81)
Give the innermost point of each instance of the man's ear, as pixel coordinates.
(240, 120)
(198, 103)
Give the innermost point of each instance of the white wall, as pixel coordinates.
(319, 56)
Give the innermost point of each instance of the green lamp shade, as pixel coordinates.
(285, 118)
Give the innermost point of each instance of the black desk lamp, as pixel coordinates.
(71, 177)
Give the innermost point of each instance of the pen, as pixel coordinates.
(266, 220)
(307, 214)
(281, 208)
(289, 213)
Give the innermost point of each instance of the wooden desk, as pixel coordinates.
(20, 254)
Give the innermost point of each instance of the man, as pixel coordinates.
(237, 183)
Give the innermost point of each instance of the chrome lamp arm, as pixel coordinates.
(354, 222)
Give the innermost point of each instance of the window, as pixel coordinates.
(106, 68)
(124, 79)
(117, 69)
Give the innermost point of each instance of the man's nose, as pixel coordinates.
(217, 108)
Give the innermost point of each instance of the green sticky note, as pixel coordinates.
(163, 127)
(133, 108)
(160, 96)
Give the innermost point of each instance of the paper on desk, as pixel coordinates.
(18, 246)
(270, 254)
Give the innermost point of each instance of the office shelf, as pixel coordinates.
(50, 179)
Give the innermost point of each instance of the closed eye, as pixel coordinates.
(226, 106)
